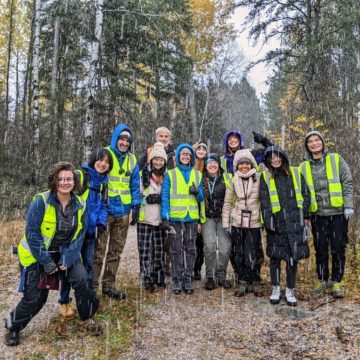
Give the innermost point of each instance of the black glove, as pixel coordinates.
(145, 176)
(50, 266)
(135, 214)
(261, 139)
(193, 190)
(165, 225)
(100, 229)
(153, 199)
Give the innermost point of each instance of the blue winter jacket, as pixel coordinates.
(96, 205)
(70, 252)
(116, 207)
(185, 171)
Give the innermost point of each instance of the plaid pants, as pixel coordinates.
(151, 253)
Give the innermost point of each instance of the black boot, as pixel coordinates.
(12, 338)
(210, 284)
(188, 288)
(114, 293)
(197, 275)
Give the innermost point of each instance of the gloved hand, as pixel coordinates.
(261, 139)
(145, 176)
(165, 225)
(153, 199)
(50, 267)
(348, 213)
(193, 190)
(135, 214)
(100, 228)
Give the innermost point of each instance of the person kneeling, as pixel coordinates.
(55, 227)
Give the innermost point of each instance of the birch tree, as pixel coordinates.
(91, 86)
(35, 87)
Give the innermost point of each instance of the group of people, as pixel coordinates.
(191, 206)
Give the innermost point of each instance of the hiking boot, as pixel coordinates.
(320, 287)
(197, 275)
(177, 286)
(161, 284)
(210, 284)
(224, 283)
(114, 293)
(67, 311)
(257, 289)
(94, 328)
(290, 297)
(12, 338)
(188, 288)
(149, 287)
(337, 292)
(241, 290)
(275, 295)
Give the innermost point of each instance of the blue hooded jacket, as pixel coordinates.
(96, 205)
(185, 171)
(116, 207)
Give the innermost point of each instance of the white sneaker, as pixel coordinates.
(290, 297)
(275, 295)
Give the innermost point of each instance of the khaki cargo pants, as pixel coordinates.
(114, 238)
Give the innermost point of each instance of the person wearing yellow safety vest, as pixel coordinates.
(285, 204)
(182, 208)
(200, 154)
(241, 217)
(331, 192)
(49, 252)
(216, 181)
(124, 197)
(150, 235)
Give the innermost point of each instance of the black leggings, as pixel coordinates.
(291, 267)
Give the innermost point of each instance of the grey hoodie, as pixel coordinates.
(321, 184)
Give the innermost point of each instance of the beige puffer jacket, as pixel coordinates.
(152, 214)
(245, 186)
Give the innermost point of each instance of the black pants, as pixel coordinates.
(330, 231)
(34, 299)
(291, 267)
(199, 261)
(248, 253)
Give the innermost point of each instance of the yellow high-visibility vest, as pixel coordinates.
(181, 202)
(332, 168)
(47, 229)
(274, 197)
(119, 178)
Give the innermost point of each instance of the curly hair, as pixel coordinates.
(54, 172)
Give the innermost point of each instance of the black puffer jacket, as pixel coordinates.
(288, 239)
(214, 200)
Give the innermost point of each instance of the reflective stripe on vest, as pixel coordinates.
(223, 163)
(228, 180)
(47, 229)
(332, 168)
(274, 197)
(119, 178)
(181, 202)
(143, 204)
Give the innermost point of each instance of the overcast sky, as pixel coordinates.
(258, 75)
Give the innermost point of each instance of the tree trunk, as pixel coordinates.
(35, 102)
(91, 87)
(12, 4)
(192, 106)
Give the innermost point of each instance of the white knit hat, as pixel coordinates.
(158, 151)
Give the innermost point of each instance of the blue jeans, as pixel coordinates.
(87, 255)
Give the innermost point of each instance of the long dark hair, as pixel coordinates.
(100, 154)
(285, 166)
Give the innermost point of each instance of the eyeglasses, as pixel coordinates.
(65, 180)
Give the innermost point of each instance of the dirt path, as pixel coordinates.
(206, 325)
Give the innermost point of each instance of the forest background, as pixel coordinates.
(71, 69)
